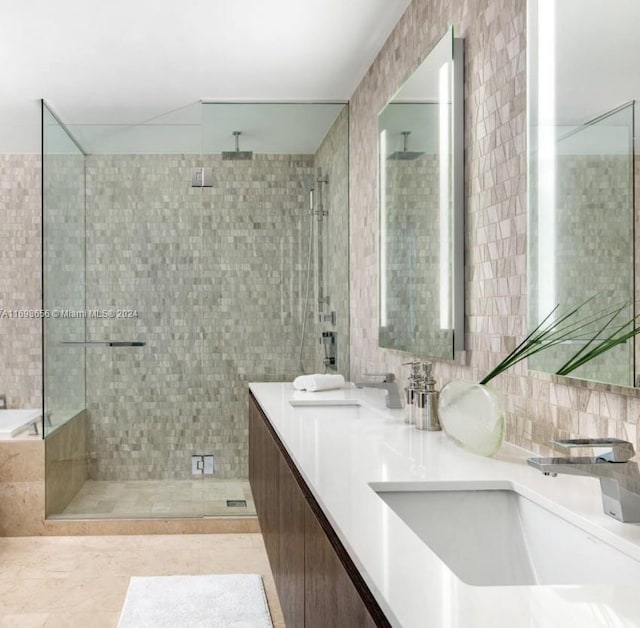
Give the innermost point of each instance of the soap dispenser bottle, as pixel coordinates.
(426, 402)
(410, 392)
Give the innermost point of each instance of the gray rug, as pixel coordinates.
(221, 601)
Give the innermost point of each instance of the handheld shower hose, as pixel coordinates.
(309, 186)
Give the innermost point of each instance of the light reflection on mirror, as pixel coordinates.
(444, 102)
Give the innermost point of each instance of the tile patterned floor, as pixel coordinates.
(159, 498)
(74, 582)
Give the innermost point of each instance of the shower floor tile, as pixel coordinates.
(159, 498)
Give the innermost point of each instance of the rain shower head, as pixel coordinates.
(237, 154)
(405, 154)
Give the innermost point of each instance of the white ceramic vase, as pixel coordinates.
(472, 415)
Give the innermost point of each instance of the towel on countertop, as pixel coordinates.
(318, 381)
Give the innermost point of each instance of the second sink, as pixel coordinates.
(498, 537)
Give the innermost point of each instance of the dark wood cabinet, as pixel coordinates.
(264, 477)
(318, 584)
(330, 598)
(290, 580)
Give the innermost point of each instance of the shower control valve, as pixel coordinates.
(201, 177)
(327, 318)
(330, 340)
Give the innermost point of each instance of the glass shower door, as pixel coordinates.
(63, 171)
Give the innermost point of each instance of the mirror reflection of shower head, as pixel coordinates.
(405, 154)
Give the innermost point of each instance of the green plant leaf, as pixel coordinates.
(550, 333)
(615, 338)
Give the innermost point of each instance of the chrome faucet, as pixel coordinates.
(392, 398)
(619, 477)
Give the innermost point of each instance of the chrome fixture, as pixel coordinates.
(405, 154)
(410, 391)
(331, 318)
(34, 425)
(318, 210)
(392, 398)
(202, 464)
(330, 341)
(104, 343)
(426, 401)
(314, 187)
(237, 154)
(619, 477)
(201, 177)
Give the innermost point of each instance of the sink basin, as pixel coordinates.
(323, 403)
(492, 537)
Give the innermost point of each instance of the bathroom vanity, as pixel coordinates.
(368, 521)
(317, 582)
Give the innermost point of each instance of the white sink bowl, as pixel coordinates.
(492, 537)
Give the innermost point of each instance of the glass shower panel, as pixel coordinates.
(293, 191)
(331, 161)
(143, 248)
(581, 240)
(278, 205)
(211, 281)
(177, 132)
(63, 172)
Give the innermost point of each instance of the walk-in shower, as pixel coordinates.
(170, 297)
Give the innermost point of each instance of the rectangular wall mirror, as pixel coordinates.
(583, 79)
(421, 200)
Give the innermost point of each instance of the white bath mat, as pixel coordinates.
(221, 601)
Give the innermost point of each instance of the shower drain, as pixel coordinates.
(236, 503)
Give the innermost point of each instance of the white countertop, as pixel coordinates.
(339, 456)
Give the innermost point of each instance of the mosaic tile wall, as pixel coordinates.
(413, 258)
(333, 157)
(216, 276)
(539, 407)
(20, 286)
(594, 222)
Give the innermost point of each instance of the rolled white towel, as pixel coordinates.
(319, 381)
